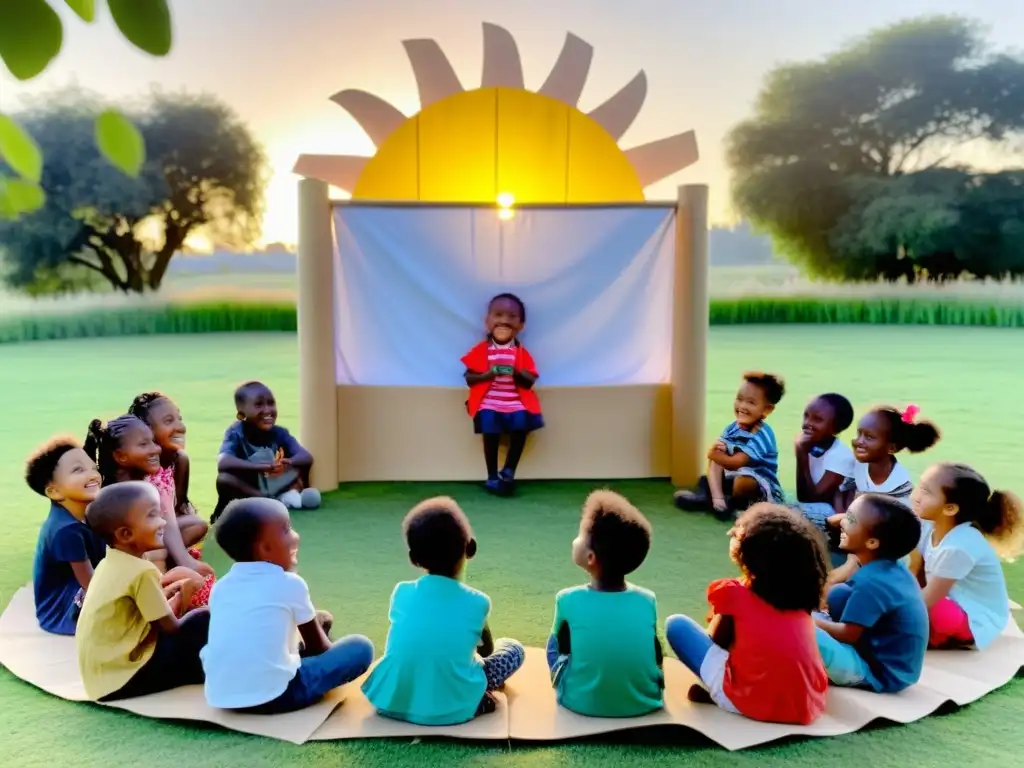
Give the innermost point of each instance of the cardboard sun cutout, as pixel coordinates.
(470, 146)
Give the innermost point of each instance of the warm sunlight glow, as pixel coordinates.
(506, 200)
(506, 214)
(469, 147)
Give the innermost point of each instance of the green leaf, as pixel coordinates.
(30, 36)
(19, 150)
(86, 9)
(120, 142)
(23, 196)
(146, 24)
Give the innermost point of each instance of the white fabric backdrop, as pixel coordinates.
(413, 283)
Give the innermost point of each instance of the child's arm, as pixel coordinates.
(916, 566)
(227, 462)
(524, 378)
(83, 571)
(486, 647)
(716, 485)
(314, 638)
(722, 630)
(806, 489)
(718, 455)
(843, 573)
(69, 547)
(473, 378)
(843, 631)
(659, 652)
(294, 454)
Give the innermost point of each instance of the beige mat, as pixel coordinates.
(50, 662)
(528, 710)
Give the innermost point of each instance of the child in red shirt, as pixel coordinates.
(759, 656)
(501, 374)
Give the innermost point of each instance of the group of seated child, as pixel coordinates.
(116, 566)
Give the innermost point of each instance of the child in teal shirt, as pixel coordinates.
(604, 652)
(440, 664)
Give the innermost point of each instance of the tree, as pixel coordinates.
(204, 173)
(31, 36)
(831, 141)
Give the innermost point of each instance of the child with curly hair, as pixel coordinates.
(67, 550)
(876, 630)
(966, 528)
(163, 417)
(759, 657)
(603, 652)
(500, 374)
(743, 464)
(440, 664)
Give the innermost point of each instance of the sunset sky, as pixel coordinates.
(278, 61)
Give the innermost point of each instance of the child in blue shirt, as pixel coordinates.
(432, 672)
(604, 653)
(743, 464)
(67, 550)
(876, 631)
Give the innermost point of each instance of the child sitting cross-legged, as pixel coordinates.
(759, 656)
(251, 661)
(743, 464)
(129, 638)
(604, 653)
(876, 631)
(258, 458)
(440, 665)
(67, 551)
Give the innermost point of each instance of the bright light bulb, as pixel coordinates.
(506, 214)
(506, 200)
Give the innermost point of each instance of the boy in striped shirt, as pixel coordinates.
(743, 464)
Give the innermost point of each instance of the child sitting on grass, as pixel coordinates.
(163, 417)
(130, 641)
(743, 464)
(966, 528)
(259, 459)
(604, 653)
(823, 461)
(876, 631)
(432, 672)
(250, 661)
(759, 657)
(67, 551)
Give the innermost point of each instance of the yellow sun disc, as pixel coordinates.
(477, 145)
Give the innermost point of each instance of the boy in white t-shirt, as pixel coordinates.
(251, 660)
(823, 461)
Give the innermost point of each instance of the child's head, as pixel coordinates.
(757, 397)
(127, 516)
(614, 537)
(62, 472)
(439, 537)
(506, 316)
(256, 405)
(885, 431)
(162, 416)
(827, 416)
(878, 527)
(954, 494)
(258, 530)
(125, 444)
(782, 556)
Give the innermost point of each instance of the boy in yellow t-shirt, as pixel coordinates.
(130, 641)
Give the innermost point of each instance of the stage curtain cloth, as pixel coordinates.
(412, 286)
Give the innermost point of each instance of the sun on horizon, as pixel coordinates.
(501, 139)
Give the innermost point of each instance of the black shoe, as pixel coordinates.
(507, 482)
(726, 515)
(692, 501)
(495, 487)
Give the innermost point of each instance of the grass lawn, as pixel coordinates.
(352, 554)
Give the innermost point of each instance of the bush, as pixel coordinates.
(228, 317)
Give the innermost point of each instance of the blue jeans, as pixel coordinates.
(342, 663)
(688, 640)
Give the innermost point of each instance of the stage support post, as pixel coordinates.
(690, 335)
(318, 397)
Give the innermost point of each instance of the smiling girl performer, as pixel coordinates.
(824, 463)
(164, 418)
(501, 374)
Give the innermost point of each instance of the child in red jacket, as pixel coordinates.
(501, 374)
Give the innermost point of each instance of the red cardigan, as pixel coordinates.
(477, 361)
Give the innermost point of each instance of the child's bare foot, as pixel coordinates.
(488, 704)
(699, 695)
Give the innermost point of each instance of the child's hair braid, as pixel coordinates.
(101, 442)
(906, 432)
(140, 405)
(997, 514)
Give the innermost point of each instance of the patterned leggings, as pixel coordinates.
(506, 660)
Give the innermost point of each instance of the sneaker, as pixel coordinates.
(507, 479)
(691, 501)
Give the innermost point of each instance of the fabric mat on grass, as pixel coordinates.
(527, 709)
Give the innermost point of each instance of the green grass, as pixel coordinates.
(351, 553)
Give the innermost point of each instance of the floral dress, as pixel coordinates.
(163, 481)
